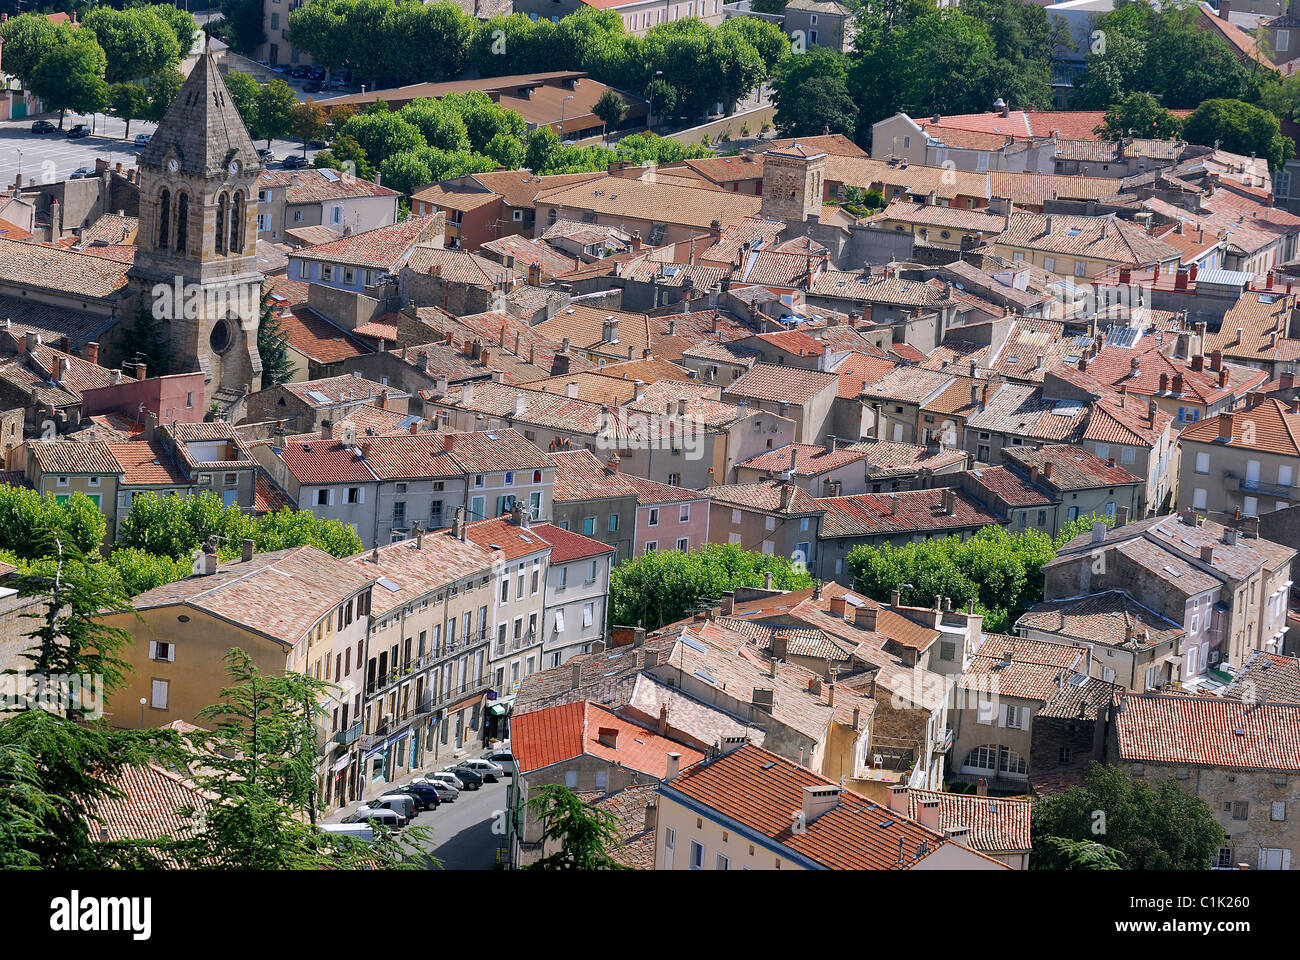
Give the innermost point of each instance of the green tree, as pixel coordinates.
(611, 109)
(137, 42)
(27, 39)
(272, 343)
(820, 63)
(273, 111)
(1058, 853)
(181, 22)
(243, 94)
(382, 134)
(306, 122)
(244, 18)
(542, 145)
(1139, 115)
(128, 101)
(1240, 128)
(660, 587)
(506, 150)
(163, 88)
(1160, 827)
(999, 572)
(259, 763)
(346, 154)
(584, 834)
(71, 77)
(146, 342)
(662, 96)
(25, 514)
(440, 125)
(140, 571)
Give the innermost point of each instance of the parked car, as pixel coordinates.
(299, 73)
(142, 139)
(79, 131)
(446, 777)
(488, 770)
(471, 778)
(267, 155)
(317, 145)
(425, 796)
(446, 792)
(43, 126)
(281, 68)
(294, 161)
(316, 73)
(313, 86)
(503, 759)
(370, 815)
(81, 173)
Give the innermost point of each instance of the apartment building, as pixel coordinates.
(426, 668)
(577, 593)
(297, 610)
(298, 199)
(511, 622)
(804, 396)
(772, 517)
(1245, 460)
(1224, 587)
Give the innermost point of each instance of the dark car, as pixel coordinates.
(425, 796)
(299, 73)
(43, 126)
(294, 161)
(82, 173)
(316, 73)
(313, 86)
(470, 778)
(317, 145)
(79, 131)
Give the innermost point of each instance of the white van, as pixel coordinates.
(401, 803)
(358, 831)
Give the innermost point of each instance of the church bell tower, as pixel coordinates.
(195, 267)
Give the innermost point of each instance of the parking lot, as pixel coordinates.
(51, 157)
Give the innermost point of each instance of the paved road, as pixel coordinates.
(51, 157)
(464, 831)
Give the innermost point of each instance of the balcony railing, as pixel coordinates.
(349, 736)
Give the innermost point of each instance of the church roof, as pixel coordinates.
(201, 126)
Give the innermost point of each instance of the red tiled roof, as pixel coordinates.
(566, 732)
(760, 790)
(871, 514)
(567, 545)
(1209, 731)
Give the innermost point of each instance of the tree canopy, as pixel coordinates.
(1147, 826)
(660, 587)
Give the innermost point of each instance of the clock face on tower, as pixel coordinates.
(173, 165)
(234, 168)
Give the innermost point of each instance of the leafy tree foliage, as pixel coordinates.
(583, 833)
(1000, 572)
(611, 109)
(1161, 827)
(273, 111)
(28, 38)
(163, 88)
(1141, 115)
(661, 587)
(70, 76)
(1059, 853)
(128, 101)
(137, 42)
(259, 760)
(243, 28)
(177, 526)
(26, 514)
(272, 343)
(1240, 128)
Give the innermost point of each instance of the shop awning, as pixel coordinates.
(340, 763)
(498, 709)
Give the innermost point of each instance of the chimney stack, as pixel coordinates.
(247, 552)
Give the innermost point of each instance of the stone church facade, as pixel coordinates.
(195, 267)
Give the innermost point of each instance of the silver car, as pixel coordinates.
(447, 791)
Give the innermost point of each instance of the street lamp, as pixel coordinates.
(143, 701)
(563, 106)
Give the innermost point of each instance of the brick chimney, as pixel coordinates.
(1225, 427)
(864, 618)
(92, 352)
